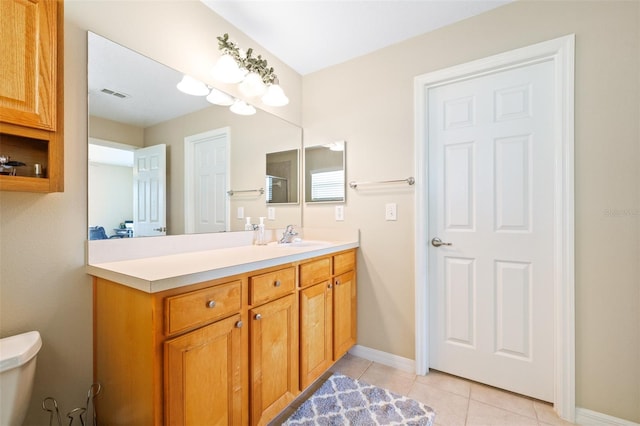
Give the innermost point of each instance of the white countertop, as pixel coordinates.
(157, 273)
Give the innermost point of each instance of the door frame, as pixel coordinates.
(561, 52)
(189, 142)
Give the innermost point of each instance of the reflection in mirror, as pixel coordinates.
(282, 177)
(134, 104)
(324, 169)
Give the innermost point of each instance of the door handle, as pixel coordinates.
(437, 242)
(161, 229)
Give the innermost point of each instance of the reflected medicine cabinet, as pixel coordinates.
(324, 173)
(282, 177)
(31, 96)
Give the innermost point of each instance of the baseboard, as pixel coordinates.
(587, 417)
(385, 358)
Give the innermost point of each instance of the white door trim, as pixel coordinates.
(189, 160)
(561, 52)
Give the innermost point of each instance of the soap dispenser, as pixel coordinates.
(248, 226)
(261, 240)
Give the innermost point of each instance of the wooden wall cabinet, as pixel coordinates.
(32, 93)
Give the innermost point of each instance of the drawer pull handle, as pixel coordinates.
(211, 304)
(258, 316)
(277, 283)
(239, 324)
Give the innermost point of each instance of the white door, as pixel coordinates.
(491, 197)
(207, 182)
(149, 191)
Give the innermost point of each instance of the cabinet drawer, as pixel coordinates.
(315, 271)
(344, 262)
(199, 307)
(271, 285)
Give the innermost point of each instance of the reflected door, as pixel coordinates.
(491, 198)
(206, 182)
(149, 191)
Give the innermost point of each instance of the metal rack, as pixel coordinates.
(231, 192)
(410, 181)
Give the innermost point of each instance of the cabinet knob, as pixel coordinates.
(329, 285)
(239, 324)
(258, 316)
(337, 282)
(277, 283)
(211, 304)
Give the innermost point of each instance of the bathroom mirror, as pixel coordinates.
(324, 171)
(282, 177)
(134, 104)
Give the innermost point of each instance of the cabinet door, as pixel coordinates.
(344, 313)
(274, 358)
(203, 375)
(28, 67)
(316, 348)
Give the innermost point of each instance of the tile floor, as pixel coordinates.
(457, 402)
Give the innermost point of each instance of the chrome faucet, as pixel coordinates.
(288, 234)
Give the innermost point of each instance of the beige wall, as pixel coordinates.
(113, 131)
(369, 103)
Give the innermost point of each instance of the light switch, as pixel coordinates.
(390, 211)
(339, 212)
(271, 213)
(240, 214)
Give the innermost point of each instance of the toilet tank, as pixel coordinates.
(17, 370)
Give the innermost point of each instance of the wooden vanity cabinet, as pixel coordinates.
(316, 319)
(32, 92)
(273, 346)
(344, 303)
(176, 357)
(327, 313)
(231, 351)
(203, 368)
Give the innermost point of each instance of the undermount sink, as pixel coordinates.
(301, 243)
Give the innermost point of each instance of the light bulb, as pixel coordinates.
(275, 96)
(191, 86)
(227, 70)
(252, 85)
(242, 108)
(218, 97)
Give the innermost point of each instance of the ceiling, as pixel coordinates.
(309, 35)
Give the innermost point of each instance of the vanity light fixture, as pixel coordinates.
(240, 107)
(227, 70)
(191, 86)
(257, 78)
(218, 97)
(275, 95)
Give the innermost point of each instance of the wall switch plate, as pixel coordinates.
(391, 211)
(339, 212)
(271, 213)
(240, 213)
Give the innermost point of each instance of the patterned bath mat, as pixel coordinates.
(342, 400)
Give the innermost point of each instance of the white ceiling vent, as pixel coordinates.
(115, 93)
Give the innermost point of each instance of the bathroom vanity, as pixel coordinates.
(231, 337)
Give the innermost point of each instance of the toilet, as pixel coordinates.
(17, 369)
